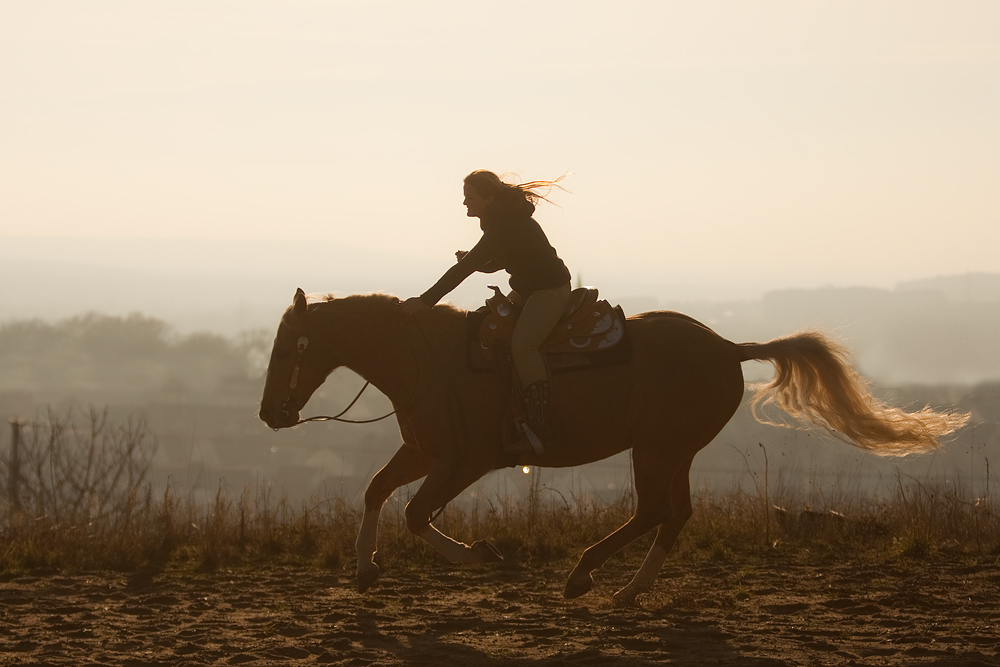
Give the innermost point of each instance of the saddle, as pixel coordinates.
(589, 328)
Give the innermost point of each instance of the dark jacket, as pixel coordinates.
(512, 241)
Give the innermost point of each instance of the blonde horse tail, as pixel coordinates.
(815, 381)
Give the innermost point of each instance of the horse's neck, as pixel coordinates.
(367, 337)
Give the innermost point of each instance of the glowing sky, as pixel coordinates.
(779, 143)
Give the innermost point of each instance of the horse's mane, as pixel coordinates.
(380, 305)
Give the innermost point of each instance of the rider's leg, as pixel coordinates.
(542, 311)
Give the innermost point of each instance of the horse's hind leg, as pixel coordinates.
(666, 536)
(653, 507)
(408, 464)
(444, 482)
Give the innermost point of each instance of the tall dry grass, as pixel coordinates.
(86, 504)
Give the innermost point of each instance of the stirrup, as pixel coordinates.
(537, 406)
(533, 440)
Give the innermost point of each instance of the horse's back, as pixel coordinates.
(668, 333)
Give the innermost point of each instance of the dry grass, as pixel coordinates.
(85, 504)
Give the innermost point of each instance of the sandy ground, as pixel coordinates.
(733, 613)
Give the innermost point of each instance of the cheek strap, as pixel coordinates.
(301, 345)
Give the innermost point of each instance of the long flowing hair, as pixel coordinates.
(509, 194)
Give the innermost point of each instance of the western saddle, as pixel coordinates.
(587, 325)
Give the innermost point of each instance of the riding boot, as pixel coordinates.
(537, 404)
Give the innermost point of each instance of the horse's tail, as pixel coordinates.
(815, 381)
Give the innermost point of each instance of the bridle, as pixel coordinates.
(301, 344)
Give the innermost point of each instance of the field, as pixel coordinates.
(252, 579)
(154, 540)
(785, 609)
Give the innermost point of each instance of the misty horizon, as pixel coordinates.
(937, 329)
(198, 284)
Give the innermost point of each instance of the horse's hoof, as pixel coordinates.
(484, 552)
(623, 600)
(576, 588)
(367, 577)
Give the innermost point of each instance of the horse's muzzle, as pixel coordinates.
(278, 419)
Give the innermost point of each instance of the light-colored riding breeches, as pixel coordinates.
(539, 317)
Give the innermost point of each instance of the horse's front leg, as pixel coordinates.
(408, 464)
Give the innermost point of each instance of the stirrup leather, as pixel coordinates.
(537, 405)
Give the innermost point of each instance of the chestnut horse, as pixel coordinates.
(681, 386)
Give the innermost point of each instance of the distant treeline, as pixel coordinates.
(898, 337)
(133, 353)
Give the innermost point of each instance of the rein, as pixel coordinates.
(301, 344)
(337, 417)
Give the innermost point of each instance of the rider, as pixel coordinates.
(513, 241)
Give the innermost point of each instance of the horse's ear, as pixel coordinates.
(299, 302)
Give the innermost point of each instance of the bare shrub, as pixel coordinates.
(76, 465)
(81, 491)
(86, 504)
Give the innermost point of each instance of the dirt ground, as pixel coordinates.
(937, 612)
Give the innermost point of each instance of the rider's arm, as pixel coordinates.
(490, 267)
(477, 259)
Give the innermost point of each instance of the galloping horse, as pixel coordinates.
(681, 386)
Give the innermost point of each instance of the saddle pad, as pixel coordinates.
(559, 362)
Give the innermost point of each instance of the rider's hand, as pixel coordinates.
(414, 305)
(459, 254)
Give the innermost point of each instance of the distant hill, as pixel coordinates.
(936, 330)
(940, 330)
(970, 287)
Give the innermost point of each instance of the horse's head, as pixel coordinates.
(295, 370)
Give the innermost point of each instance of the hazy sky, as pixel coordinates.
(726, 144)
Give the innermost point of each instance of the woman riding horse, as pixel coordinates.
(681, 385)
(513, 241)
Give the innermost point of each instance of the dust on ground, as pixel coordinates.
(768, 613)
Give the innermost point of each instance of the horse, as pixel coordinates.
(681, 385)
